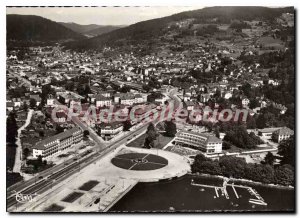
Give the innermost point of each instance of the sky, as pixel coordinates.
(101, 15)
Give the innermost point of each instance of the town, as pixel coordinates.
(247, 67)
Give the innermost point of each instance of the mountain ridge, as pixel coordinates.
(150, 29)
(37, 28)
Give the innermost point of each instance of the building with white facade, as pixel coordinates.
(57, 143)
(109, 130)
(102, 101)
(200, 141)
(282, 134)
(245, 102)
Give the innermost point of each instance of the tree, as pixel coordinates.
(86, 133)
(127, 125)
(170, 128)
(32, 103)
(151, 136)
(286, 150)
(210, 167)
(217, 132)
(196, 166)
(251, 122)
(70, 86)
(274, 137)
(148, 144)
(284, 175)
(41, 133)
(11, 128)
(124, 89)
(254, 103)
(40, 159)
(232, 166)
(147, 88)
(151, 132)
(261, 122)
(269, 159)
(226, 145)
(26, 153)
(59, 129)
(25, 106)
(239, 137)
(260, 173)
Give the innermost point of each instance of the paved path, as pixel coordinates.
(18, 157)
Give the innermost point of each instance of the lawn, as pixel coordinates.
(138, 142)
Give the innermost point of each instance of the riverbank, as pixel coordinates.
(241, 181)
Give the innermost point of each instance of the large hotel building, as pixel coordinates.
(200, 141)
(57, 143)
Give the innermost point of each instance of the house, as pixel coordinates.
(273, 82)
(204, 142)
(139, 99)
(102, 101)
(245, 102)
(125, 98)
(50, 100)
(204, 97)
(104, 93)
(282, 134)
(109, 130)
(267, 132)
(17, 102)
(190, 105)
(227, 95)
(9, 106)
(186, 97)
(70, 98)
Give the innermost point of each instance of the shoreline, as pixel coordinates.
(244, 181)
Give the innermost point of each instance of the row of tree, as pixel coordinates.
(236, 167)
(239, 137)
(266, 172)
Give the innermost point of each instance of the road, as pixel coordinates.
(56, 174)
(51, 177)
(60, 172)
(18, 157)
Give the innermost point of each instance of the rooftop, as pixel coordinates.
(68, 133)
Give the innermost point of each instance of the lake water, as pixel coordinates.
(182, 196)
